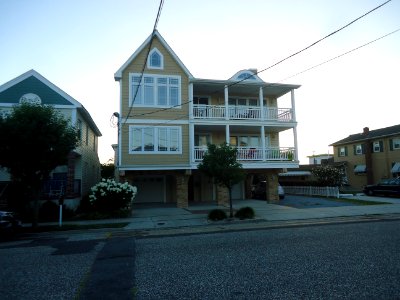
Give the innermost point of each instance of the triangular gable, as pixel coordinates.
(118, 74)
(32, 83)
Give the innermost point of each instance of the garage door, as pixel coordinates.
(237, 191)
(150, 189)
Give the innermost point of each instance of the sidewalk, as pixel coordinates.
(147, 218)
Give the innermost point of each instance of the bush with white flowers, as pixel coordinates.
(108, 195)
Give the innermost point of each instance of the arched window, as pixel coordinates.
(155, 60)
(246, 76)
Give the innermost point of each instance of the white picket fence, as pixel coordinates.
(326, 191)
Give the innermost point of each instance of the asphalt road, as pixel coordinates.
(352, 261)
(341, 261)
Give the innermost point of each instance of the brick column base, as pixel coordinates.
(222, 195)
(272, 187)
(182, 190)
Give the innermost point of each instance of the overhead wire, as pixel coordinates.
(146, 57)
(291, 76)
(273, 65)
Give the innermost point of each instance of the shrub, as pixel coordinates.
(108, 196)
(245, 213)
(216, 215)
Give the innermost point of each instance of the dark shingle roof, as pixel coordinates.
(372, 134)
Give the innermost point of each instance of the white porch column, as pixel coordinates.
(263, 142)
(227, 134)
(191, 142)
(293, 106)
(190, 101)
(226, 96)
(261, 101)
(296, 154)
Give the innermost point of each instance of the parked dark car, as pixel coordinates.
(9, 222)
(387, 187)
(258, 191)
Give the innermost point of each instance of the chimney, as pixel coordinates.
(365, 131)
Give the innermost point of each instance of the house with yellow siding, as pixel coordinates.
(167, 117)
(369, 156)
(82, 170)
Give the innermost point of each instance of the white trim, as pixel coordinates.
(45, 81)
(118, 74)
(155, 140)
(149, 66)
(156, 168)
(157, 121)
(155, 86)
(120, 126)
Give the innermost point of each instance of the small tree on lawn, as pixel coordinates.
(328, 176)
(220, 163)
(34, 139)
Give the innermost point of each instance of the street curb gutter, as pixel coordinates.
(255, 225)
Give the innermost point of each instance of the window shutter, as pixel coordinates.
(381, 146)
(362, 148)
(345, 150)
(391, 144)
(354, 149)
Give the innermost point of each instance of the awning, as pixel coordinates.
(360, 169)
(396, 168)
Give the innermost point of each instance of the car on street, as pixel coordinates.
(259, 191)
(387, 187)
(9, 222)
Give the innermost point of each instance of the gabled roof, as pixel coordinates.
(372, 134)
(32, 82)
(118, 74)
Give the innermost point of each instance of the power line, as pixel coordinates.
(343, 54)
(318, 41)
(276, 83)
(275, 64)
(146, 58)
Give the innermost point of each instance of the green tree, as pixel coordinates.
(107, 170)
(220, 163)
(34, 139)
(328, 176)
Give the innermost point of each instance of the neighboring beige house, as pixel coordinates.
(319, 159)
(167, 118)
(369, 156)
(83, 169)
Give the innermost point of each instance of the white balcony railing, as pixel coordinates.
(201, 111)
(254, 154)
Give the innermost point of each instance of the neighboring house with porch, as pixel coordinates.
(168, 116)
(369, 156)
(82, 170)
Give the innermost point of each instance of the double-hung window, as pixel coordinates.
(342, 151)
(155, 90)
(155, 139)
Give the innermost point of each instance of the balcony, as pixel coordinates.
(215, 112)
(250, 154)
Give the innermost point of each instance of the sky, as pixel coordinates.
(79, 45)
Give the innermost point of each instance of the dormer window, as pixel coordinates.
(246, 76)
(155, 60)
